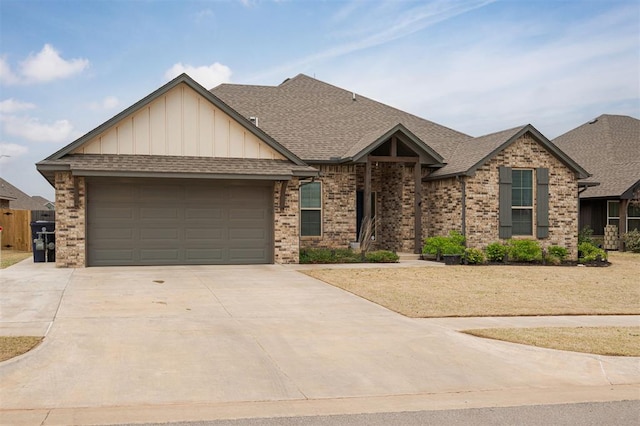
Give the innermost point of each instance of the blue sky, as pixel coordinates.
(473, 65)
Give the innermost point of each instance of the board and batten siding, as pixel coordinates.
(180, 123)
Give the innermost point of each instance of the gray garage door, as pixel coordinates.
(178, 222)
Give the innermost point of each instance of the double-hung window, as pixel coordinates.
(522, 202)
(523, 192)
(633, 217)
(311, 209)
(613, 213)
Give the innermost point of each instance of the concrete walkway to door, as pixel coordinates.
(213, 337)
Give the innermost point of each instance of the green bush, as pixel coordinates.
(453, 244)
(496, 252)
(585, 235)
(632, 241)
(558, 252)
(524, 251)
(381, 256)
(327, 255)
(434, 245)
(474, 256)
(587, 252)
(339, 255)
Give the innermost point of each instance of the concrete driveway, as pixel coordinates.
(177, 336)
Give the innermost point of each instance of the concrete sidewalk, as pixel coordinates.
(191, 343)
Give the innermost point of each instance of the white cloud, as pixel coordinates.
(209, 76)
(32, 129)
(6, 75)
(110, 102)
(10, 105)
(46, 65)
(11, 150)
(376, 27)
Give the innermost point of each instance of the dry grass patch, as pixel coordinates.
(11, 257)
(617, 341)
(467, 291)
(12, 346)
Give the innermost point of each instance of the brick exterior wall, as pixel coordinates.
(482, 221)
(286, 224)
(70, 221)
(441, 207)
(338, 207)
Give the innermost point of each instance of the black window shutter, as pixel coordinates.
(542, 203)
(505, 202)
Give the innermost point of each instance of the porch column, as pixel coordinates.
(622, 228)
(367, 191)
(417, 226)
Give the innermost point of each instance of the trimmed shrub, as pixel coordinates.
(340, 255)
(496, 252)
(587, 252)
(558, 252)
(524, 251)
(474, 256)
(381, 256)
(326, 255)
(434, 245)
(453, 244)
(632, 241)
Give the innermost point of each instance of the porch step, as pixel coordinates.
(408, 256)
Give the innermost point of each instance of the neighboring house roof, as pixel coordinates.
(323, 123)
(609, 147)
(19, 200)
(173, 166)
(471, 154)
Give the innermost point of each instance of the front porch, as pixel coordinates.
(384, 184)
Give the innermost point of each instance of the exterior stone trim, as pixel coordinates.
(286, 224)
(70, 221)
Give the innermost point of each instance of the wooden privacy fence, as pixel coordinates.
(16, 227)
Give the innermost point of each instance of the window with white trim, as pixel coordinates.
(522, 202)
(311, 209)
(613, 213)
(633, 217)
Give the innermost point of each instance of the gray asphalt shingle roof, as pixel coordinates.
(19, 200)
(471, 151)
(168, 165)
(609, 148)
(318, 121)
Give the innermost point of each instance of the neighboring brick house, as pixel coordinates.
(251, 174)
(609, 147)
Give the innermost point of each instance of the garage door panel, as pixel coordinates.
(107, 257)
(157, 212)
(113, 233)
(160, 256)
(213, 235)
(135, 222)
(107, 211)
(204, 255)
(203, 213)
(211, 194)
(246, 213)
(164, 233)
(160, 193)
(246, 256)
(247, 234)
(118, 194)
